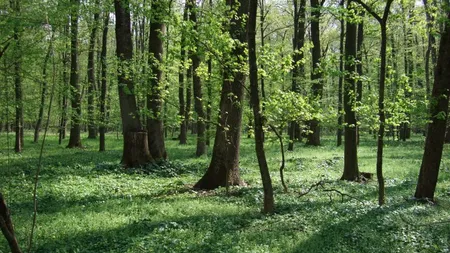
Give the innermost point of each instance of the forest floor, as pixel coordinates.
(87, 203)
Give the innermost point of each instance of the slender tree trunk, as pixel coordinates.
(37, 128)
(182, 105)
(155, 126)
(434, 143)
(431, 51)
(15, 6)
(6, 226)
(92, 128)
(104, 83)
(224, 167)
(209, 106)
(351, 171)
(198, 95)
(75, 129)
(316, 75)
(341, 77)
(135, 148)
(259, 136)
(64, 105)
(298, 69)
(359, 68)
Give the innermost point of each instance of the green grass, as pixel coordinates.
(88, 204)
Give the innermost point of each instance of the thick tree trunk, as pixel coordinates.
(434, 143)
(259, 132)
(316, 75)
(298, 68)
(224, 167)
(92, 126)
(75, 128)
(351, 171)
(155, 126)
(197, 84)
(341, 78)
(104, 88)
(135, 148)
(7, 227)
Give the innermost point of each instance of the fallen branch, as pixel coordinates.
(321, 184)
(7, 227)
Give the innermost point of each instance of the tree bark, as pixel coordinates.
(259, 136)
(155, 126)
(351, 171)
(182, 105)
(359, 68)
(298, 68)
(15, 6)
(92, 126)
(316, 75)
(341, 78)
(224, 167)
(135, 142)
(7, 227)
(104, 83)
(75, 129)
(197, 84)
(434, 143)
(64, 105)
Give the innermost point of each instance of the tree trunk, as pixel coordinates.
(316, 75)
(198, 95)
(259, 136)
(434, 143)
(64, 105)
(104, 88)
(359, 68)
(351, 171)
(75, 129)
(298, 68)
(92, 128)
(37, 128)
(209, 106)
(7, 227)
(135, 142)
(155, 126)
(224, 167)
(15, 6)
(182, 105)
(341, 77)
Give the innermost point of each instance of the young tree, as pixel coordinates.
(182, 105)
(75, 129)
(381, 113)
(434, 143)
(155, 126)
(92, 128)
(18, 90)
(259, 132)
(224, 167)
(351, 171)
(135, 142)
(341, 76)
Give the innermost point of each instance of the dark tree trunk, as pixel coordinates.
(37, 128)
(187, 112)
(259, 132)
(316, 75)
(104, 87)
(92, 128)
(224, 167)
(65, 89)
(431, 50)
(7, 227)
(209, 107)
(298, 69)
(197, 84)
(15, 6)
(155, 126)
(351, 171)
(434, 143)
(182, 112)
(75, 129)
(341, 77)
(135, 142)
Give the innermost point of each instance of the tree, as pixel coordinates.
(135, 142)
(351, 171)
(258, 117)
(183, 113)
(297, 69)
(316, 75)
(381, 113)
(155, 126)
(224, 167)
(104, 83)
(341, 77)
(18, 90)
(75, 129)
(197, 84)
(92, 128)
(429, 170)
(6, 226)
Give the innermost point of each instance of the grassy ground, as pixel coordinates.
(88, 204)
